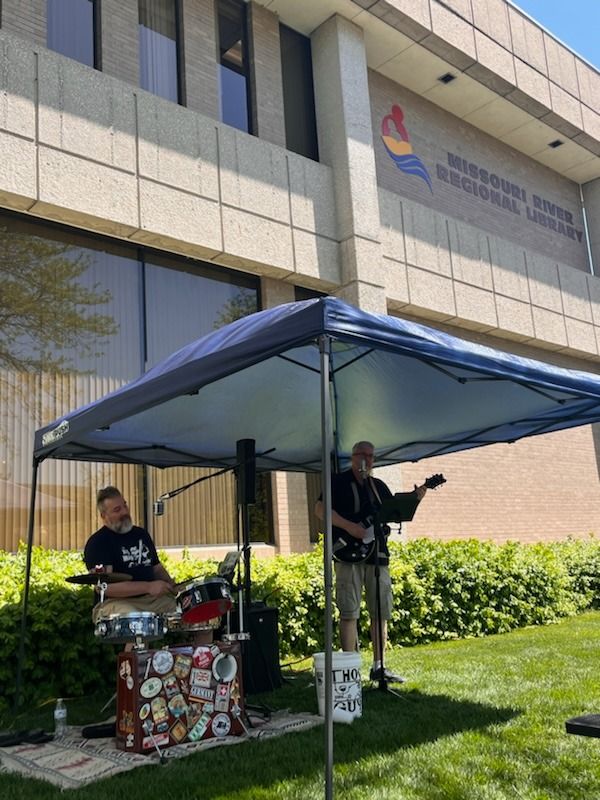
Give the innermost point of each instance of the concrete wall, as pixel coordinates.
(94, 152)
(478, 179)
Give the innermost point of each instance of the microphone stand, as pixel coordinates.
(383, 683)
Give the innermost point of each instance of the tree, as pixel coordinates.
(47, 316)
(238, 306)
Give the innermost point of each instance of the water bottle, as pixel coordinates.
(60, 718)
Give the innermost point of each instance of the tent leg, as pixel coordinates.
(21, 657)
(326, 449)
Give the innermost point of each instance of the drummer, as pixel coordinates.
(120, 546)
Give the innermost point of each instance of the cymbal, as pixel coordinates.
(103, 577)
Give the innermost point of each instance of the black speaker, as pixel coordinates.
(260, 654)
(246, 472)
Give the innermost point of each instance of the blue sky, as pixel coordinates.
(574, 22)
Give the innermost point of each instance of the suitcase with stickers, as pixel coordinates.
(178, 694)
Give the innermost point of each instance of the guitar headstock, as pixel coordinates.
(434, 481)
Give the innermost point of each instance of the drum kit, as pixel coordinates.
(201, 603)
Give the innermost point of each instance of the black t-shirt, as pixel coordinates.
(357, 502)
(133, 553)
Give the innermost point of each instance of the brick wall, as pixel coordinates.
(538, 489)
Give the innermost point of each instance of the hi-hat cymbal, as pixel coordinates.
(103, 577)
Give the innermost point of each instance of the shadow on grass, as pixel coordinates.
(389, 724)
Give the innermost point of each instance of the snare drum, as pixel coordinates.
(121, 628)
(201, 601)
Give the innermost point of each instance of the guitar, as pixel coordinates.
(350, 550)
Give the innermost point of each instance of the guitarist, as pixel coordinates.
(356, 495)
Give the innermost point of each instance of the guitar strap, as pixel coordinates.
(372, 494)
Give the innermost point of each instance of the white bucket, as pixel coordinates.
(347, 688)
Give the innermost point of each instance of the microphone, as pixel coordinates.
(158, 508)
(363, 467)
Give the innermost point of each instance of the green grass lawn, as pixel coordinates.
(481, 719)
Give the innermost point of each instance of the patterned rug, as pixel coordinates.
(71, 762)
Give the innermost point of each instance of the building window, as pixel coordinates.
(81, 316)
(71, 26)
(159, 50)
(298, 93)
(233, 64)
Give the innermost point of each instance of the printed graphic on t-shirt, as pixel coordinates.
(136, 555)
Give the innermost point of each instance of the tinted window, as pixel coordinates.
(159, 72)
(298, 93)
(233, 64)
(70, 29)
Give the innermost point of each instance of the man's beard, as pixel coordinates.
(122, 526)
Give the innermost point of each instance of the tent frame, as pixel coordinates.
(529, 398)
(327, 450)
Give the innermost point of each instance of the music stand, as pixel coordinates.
(399, 508)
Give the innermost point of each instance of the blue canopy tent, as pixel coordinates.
(305, 381)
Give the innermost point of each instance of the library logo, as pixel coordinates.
(396, 142)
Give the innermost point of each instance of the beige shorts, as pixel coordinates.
(349, 582)
(164, 604)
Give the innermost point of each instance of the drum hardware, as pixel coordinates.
(101, 579)
(242, 636)
(96, 577)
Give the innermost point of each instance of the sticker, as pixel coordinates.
(164, 726)
(203, 657)
(221, 725)
(130, 683)
(129, 740)
(199, 728)
(201, 677)
(222, 697)
(126, 722)
(144, 711)
(148, 742)
(171, 685)
(178, 731)
(200, 693)
(183, 665)
(162, 662)
(150, 687)
(177, 705)
(125, 670)
(160, 712)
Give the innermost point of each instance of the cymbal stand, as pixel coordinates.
(102, 586)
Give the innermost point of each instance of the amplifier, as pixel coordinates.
(260, 655)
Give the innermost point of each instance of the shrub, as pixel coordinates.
(442, 590)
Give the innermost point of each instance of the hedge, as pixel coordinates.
(442, 590)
